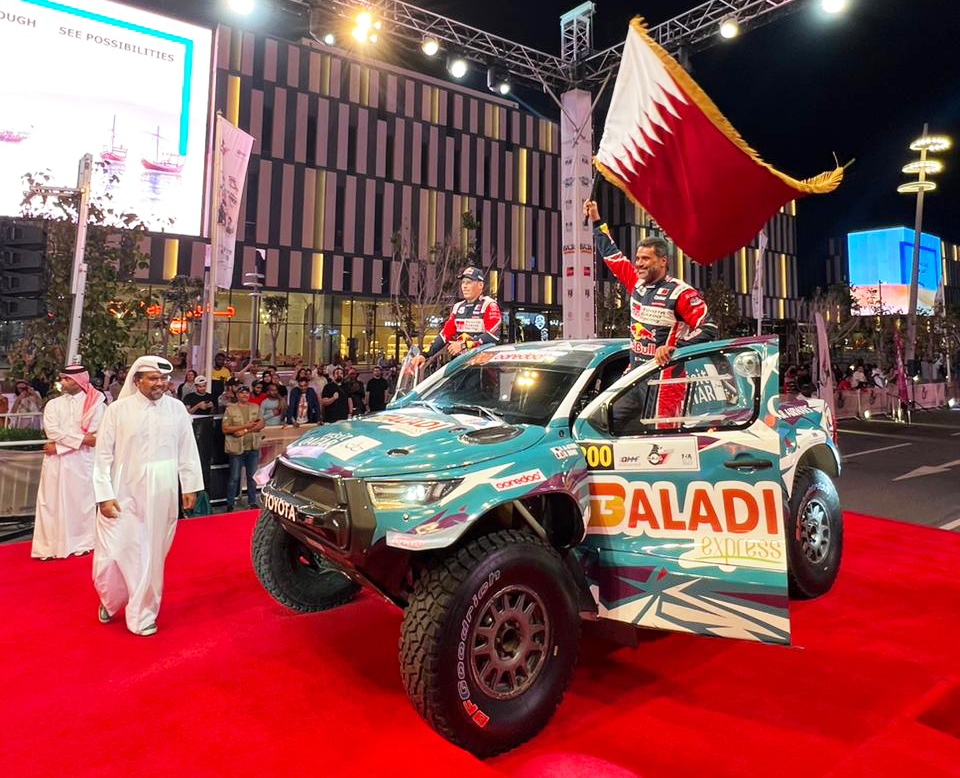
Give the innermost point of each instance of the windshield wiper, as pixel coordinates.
(479, 409)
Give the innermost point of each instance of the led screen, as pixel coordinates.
(880, 264)
(128, 86)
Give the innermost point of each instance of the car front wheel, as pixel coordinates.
(489, 641)
(293, 574)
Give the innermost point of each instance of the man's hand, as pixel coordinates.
(110, 509)
(90, 439)
(454, 347)
(188, 500)
(590, 210)
(663, 353)
(418, 360)
(50, 448)
(239, 433)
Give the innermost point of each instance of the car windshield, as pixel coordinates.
(516, 393)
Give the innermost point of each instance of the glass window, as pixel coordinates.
(719, 390)
(517, 393)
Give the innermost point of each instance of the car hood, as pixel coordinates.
(406, 442)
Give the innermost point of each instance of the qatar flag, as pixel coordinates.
(667, 146)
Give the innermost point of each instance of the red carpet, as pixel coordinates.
(235, 685)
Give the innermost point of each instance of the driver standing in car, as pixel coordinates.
(473, 322)
(665, 312)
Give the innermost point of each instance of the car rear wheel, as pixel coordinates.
(293, 574)
(489, 641)
(814, 534)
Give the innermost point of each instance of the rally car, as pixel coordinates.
(524, 488)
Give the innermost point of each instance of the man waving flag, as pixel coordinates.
(667, 146)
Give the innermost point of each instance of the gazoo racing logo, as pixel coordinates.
(518, 480)
(279, 506)
(730, 523)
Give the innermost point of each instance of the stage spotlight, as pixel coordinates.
(366, 29)
(430, 46)
(952, 402)
(833, 6)
(457, 66)
(329, 38)
(729, 28)
(498, 80)
(242, 7)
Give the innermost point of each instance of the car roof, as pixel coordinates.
(587, 352)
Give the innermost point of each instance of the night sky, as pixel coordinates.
(798, 89)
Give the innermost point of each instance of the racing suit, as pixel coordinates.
(666, 313)
(473, 324)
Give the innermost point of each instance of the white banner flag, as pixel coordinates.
(824, 372)
(235, 146)
(758, 281)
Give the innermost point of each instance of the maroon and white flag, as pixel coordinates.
(668, 147)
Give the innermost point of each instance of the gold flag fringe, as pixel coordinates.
(820, 184)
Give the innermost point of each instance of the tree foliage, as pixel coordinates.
(840, 310)
(427, 281)
(275, 309)
(723, 307)
(113, 312)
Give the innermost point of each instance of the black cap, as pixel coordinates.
(473, 273)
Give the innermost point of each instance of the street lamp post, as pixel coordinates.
(922, 168)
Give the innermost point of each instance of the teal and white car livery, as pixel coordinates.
(523, 488)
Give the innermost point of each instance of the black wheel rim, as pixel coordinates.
(815, 533)
(509, 642)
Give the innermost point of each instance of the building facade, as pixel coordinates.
(350, 153)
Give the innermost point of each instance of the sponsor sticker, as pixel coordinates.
(412, 426)
(348, 449)
(565, 451)
(518, 480)
(280, 507)
(666, 455)
(731, 524)
(470, 325)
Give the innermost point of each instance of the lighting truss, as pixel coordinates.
(693, 29)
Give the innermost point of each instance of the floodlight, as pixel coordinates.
(329, 38)
(457, 66)
(833, 6)
(729, 28)
(242, 7)
(498, 80)
(430, 46)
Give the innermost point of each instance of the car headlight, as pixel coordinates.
(409, 494)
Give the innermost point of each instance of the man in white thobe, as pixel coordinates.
(144, 447)
(66, 507)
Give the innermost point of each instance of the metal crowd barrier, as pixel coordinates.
(20, 470)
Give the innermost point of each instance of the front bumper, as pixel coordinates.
(333, 516)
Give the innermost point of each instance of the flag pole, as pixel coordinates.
(208, 318)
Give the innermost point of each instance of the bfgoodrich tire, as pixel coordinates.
(814, 534)
(293, 574)
(489, 641)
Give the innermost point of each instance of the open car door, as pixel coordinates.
(687, 505)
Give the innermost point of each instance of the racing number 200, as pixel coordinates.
(598, 457)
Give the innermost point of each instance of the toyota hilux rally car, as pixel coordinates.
(524, 488)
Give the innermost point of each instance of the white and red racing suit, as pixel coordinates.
(473, 324)
(666, 313)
